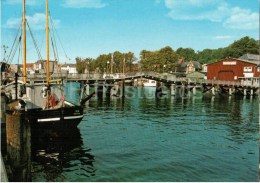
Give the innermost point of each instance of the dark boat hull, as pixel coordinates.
(64, 117)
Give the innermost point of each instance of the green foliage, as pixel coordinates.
(165, 59)
(187, 53)
(80, 65)
(235, 50)
(162, 60)
(243, 46)
(112, 62)
(83, 64)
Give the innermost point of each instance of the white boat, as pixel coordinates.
(149, 83)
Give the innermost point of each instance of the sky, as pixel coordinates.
(88, 28)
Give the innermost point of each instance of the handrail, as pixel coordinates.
(146, 74)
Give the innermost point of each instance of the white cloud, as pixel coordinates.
(83, 4)
(36, 22)
(242, 19)
(224, 37)
(213, 10)
(28, 2)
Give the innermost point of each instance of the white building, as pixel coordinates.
(69, 68)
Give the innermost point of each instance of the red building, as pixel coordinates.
(232, 69)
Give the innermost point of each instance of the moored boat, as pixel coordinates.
(45, 102)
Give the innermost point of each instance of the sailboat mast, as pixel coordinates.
(47, 44)
(24, 43)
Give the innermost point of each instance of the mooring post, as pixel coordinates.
(251, 92)
(213, 91)
(158, 90)
(100, 90)
(173, 90)
(245, 92)
(108, 90)
(230, 91)
(87, 89)
(115, 89)
(123, 88)
(194, 90)
(18, 135)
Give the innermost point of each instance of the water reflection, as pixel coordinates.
(235, 112)
(55, 154)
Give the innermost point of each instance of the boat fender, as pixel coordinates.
(22, 90)
(44, 92)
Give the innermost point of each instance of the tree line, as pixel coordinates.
(164, 60)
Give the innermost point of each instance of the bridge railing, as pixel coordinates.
(169, 77)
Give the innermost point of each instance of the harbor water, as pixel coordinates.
(141, 138)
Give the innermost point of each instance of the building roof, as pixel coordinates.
(236, 59)
(70, 65)
(252, 57)
(183, 65)
(29, 65)
(43, 61)
(195, 74)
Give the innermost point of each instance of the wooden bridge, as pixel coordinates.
(171, 81)
(164, 78)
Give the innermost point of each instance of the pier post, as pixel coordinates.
(18, 135)
(100, 90)
(108, 91)
(245, 92)
(173, 90)
(123, 88)
(115, 89)
(251, 92)
(158, 90)
(230, 91)
(183, 90)
(87, 89)
(213, 91)
(194, 90)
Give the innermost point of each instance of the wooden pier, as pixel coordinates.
(169, 80)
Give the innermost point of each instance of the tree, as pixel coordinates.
(160, 60)
(80, 65)
(236, 49)
(187, 53)
(243, 46)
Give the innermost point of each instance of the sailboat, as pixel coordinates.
(45, 102)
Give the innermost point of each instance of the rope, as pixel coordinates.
(19, 57)
(15, 48)
(11, 51)
(55, 50)
(54, 30)
(34, 42)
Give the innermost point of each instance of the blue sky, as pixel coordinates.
(88, 28)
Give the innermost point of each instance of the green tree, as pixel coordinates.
(187, 53)
(160, 60)
(242, 46)
(80, 65)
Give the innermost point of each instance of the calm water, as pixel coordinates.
(144, 139)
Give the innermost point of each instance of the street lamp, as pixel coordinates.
(164, 66)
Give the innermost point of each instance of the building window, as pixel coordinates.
(248, 69)
(258, 69)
